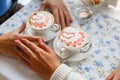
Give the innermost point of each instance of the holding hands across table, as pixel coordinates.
(35, 54)
(43, 60)
(7, 40)
(40, 58)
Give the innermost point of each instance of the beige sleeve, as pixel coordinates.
(64, 72)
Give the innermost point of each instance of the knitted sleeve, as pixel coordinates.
(64, 72)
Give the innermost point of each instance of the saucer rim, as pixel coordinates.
(69, 59)
(27, 31)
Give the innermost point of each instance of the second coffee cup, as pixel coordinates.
(41, 23)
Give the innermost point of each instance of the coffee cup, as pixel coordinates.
(71, 40)
(92, 3)
(41, 23)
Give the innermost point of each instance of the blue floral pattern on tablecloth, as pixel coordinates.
(103, 31)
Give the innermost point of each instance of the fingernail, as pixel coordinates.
(41, 41)
(16, 41)
(22, 39)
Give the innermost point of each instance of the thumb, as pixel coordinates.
(43, 5)
(21, 28)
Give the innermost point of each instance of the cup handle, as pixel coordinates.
(55, 28)
(85, 48)
(65, 53)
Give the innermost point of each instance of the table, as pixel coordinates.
(103, 29)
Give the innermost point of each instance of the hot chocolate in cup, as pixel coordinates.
(71, 40)
(42, 23)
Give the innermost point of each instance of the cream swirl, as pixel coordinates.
(71, 37)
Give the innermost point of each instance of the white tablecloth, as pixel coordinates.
(105, 52)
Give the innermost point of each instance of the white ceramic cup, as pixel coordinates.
(71, 40)
(93, 3)
(46, 22)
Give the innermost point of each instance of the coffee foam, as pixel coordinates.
(41, 20)
(73, 38)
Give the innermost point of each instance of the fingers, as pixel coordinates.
(68, 18)
(45, 47)
(34, 48)
(21, 54)
(24, 48)
(62, 19)
(115, 78)
(31, 50)
(60, 12)
(21, 28)
(43, 6)
(31, 38)
(110, 77)
(56, 15)
(64, 16)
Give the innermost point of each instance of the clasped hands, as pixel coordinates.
(32, 51)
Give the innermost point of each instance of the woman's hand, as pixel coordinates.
(115, 75)
(40, 58)
(59, 10)
(7, 41)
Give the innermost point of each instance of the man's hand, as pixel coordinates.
(115, 75)
(7, 41)
(59, 10)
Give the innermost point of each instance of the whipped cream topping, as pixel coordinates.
(71, 37)
(41, 19)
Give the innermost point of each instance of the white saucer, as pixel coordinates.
(47, 37)
(75, 57)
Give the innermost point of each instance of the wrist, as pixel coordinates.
(61, 72)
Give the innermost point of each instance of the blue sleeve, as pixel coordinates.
(5, 6)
